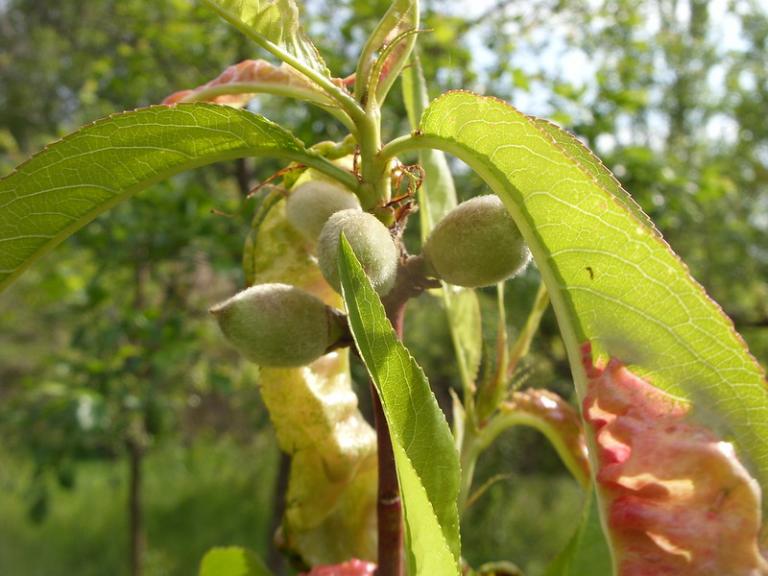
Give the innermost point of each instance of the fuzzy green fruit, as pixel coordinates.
(476, 244)
(370, 241)
(311, 204)
(279, 325)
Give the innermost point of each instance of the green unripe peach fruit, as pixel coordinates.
(311, 204)
(279, 325)
(476, 244)
(370, 241)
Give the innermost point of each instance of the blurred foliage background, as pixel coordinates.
(120, 405)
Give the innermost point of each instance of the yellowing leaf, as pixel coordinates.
(330, 513)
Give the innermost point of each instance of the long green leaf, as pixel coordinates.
(272, 22)
(437, 196)
(427, 462)
(74, 180)
(232, 561)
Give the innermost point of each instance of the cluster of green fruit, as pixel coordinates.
(476, 244)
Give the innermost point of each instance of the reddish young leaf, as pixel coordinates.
(349, 568)
(240, 82)
(679, 502)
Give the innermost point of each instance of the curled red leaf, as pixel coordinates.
(558, 418)
(679, 500)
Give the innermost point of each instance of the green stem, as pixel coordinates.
(469, 453)
(476, 441)
(505, 420)
(347, 103)
(408, 143)
(492, 392)
(466, 376)
(374, 170)
(328, 168)
(522, 345)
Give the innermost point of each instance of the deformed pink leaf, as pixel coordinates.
(679, 501)
(349, 568)
(238, 84)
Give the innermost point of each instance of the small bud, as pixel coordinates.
(370, 241)
(279, 325)
(476, 244)
(311, 204)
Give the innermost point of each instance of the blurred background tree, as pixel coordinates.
(109, 369)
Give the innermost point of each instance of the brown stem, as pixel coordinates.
(136, 519)
(388, 507)
(244, 176)
(275, 558)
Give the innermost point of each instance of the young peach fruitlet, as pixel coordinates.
(279, 325)
(476, 244)
(370, 241)
(311, 203)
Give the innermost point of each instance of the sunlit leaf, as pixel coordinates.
(74, 180)
(273, 22)
(232, 561)
(613, 281)
(427, 462)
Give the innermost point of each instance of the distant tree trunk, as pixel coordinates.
(244, 175)
(275, 559)
(136, 443)
(135, 515)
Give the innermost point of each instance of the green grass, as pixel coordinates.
(218, 492)
(529, 516)
(214, 493)
(526, 520)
